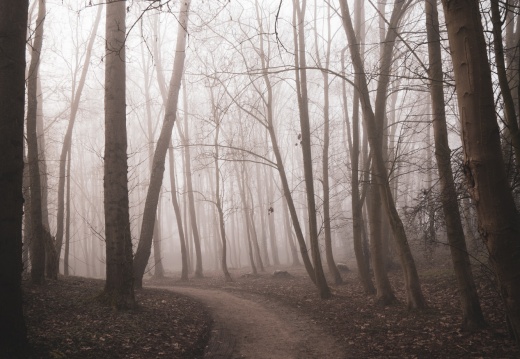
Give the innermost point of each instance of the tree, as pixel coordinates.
(301, 89)
(484, 169)
(67, 141)
(373, 121)
(13, 29)
(39, 240)
(152, 197)
(119, 285)
(471, 312)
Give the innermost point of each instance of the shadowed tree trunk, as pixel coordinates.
(143, 251)
(354, 147)
(472, 317)
(486, 179)
(119, 285)
(373, 121)
(38, 235)
(13, 28)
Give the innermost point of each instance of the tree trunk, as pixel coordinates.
(354, 147)
(119, 286)
(272, 227)
(67, 141)
(38, 236)
(373, 125)
(222, 224)
(67, 221)
(499, 221)
(178, 217)
(472, 317)
(509, 103)
(143, 251)
(301, 88)
(13, 27)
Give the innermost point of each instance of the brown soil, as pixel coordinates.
(262, 317)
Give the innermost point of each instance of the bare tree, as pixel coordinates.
(152, 197)
(119, 285)
(39, 238)
(301, 89)
(484, 169)
(471, 312)
(373, 125)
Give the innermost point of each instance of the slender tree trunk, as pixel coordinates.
(272, 227)
(499, 221)
(281, 169)
(509, 103)
(119, 285)
(301, 87)
(326, 144)
(178, 217)
(354, 147)
(415, 298)
(222, 224)
(152, 197)
(67, 221)
(241, 187)
(67, 141)
(288, 231)
(13, 27)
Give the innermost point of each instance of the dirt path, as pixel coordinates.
(254, 327)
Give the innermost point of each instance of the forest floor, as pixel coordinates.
(64, 320)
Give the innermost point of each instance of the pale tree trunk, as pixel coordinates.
(499, 221)
(143, 251)
(272, 227)
(326, 144)
(301, 89)
(354, 146)
(252, 226)
(67, 221)
(119, 285)
(222, 223)
(38, 235)
(415, 298)
(241, 188)
(13, 28)
(472, 317)
(262, 214)
(67, 141)
(178, 217)
(289, 234)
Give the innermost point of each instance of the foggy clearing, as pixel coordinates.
(259, 179)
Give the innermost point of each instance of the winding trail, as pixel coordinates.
(251, 326)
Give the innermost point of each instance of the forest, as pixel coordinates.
(259, 178)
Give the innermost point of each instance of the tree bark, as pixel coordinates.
(119, 285)
(13, 28)
(143, 251)
(499, 221)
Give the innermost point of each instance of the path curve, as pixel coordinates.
(253, 327)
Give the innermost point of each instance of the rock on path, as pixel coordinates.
(254, 327)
